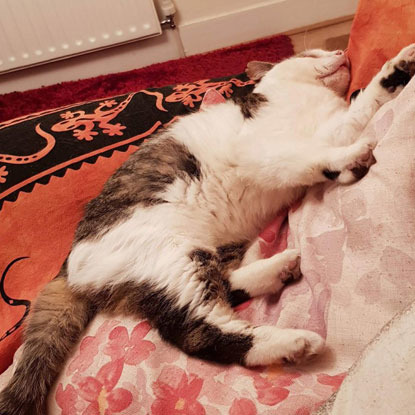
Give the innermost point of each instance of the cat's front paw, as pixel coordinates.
(360, 166)
(356, 168)
(397, 72)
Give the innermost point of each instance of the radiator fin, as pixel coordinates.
(37, 31)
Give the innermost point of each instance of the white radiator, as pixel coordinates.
(37, 31)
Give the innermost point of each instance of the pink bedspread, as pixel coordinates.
(358, 261)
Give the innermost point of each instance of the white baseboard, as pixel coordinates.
(262, 19)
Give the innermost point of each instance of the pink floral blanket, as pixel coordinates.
(358, 261)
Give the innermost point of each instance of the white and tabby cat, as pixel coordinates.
(171, 238)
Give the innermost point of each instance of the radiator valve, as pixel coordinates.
(168, 10)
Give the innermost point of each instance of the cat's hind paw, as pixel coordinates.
(305, 346)
(273, 345)
(291, 271)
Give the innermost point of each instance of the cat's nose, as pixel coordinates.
(339, 52)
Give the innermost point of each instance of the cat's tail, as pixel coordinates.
(55, 325)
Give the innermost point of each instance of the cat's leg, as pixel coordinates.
(263, 275)
(316, 164)
(346, 165)
(305, 164)
(385, 85)
(56, 322)
(250, 274)
(204, 325)
(260, 345)
(227, 339)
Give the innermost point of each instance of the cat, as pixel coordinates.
(171, 238)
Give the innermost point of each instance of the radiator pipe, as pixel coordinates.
(168, 9)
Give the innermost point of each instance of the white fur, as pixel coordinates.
(268, 273)
(251, 169)
(275, 345)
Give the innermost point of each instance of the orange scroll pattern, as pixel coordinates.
(193, 92)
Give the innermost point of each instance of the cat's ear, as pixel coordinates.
(256, 69)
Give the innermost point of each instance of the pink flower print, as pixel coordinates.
(219, 381)
(333, 381)
(67, 399)
(243, 407)
(273, 238)
(132, 349)
(304, 410)
(176, 393)
(100, 392)
(244, 305)
(306, 394)
(296, 405)
(165, 354)
(89, 348)
(138, 388)
(271, 385)
(3, 174)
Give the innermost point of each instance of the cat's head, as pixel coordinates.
(317, 67)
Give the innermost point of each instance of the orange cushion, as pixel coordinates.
(381, 28)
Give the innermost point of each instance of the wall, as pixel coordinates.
(195, 10)
(203, 25)
(207, 25)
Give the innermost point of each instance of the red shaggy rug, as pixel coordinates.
(214, 64)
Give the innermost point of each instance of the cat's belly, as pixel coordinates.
(154, 244)
(148, 246)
